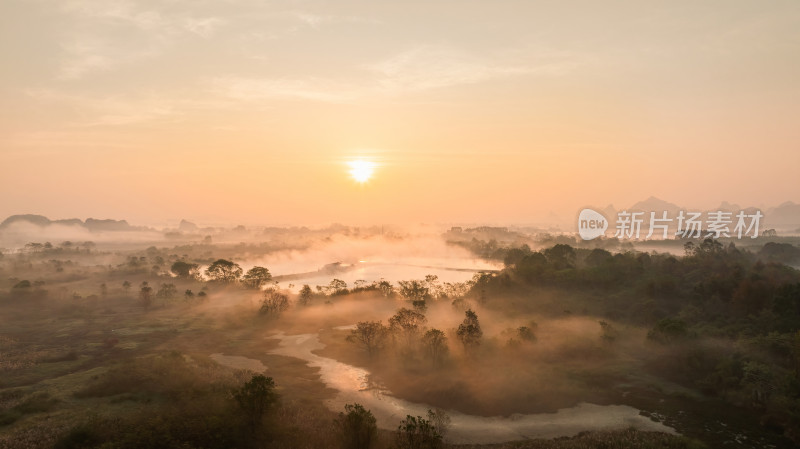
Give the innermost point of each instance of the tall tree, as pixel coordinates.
(407, 324)
(371, 335)
(146, 294)
(256, 277)
(255, 398)
(414, 290)
(435, 343)
(469, 331)
(304, 298)
(224, 271)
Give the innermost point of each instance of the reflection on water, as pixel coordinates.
(446, 270)
(353, 385)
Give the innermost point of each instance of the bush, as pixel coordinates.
(357, 427)
(255, 398)
(417, 433)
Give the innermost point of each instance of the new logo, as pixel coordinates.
(591, 224)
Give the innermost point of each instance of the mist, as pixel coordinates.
(399, 225)
(487, 334)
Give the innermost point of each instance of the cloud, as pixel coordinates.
(418, 69)
(83, 56)
(254, 89)
(204, 27)
(431, 67)
(105, 28)
(122, 11)
(314, 20)
(109, 110)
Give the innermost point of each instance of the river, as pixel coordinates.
(352, 385)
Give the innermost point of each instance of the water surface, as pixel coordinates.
(352, 384)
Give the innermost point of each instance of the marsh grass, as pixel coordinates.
(620, 439)
(19, 405)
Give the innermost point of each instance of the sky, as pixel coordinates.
(249, 111)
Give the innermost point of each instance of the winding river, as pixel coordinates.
(352, 385)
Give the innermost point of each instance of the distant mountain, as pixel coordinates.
(38, 220)
(107, 225)
(187, 226)
(69, 222)
(92, 224)
(785, 215)
(657, 205)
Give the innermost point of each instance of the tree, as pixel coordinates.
(23, 284)
(408, 324)
(356, 427)
(668, 330)
(166, 291)
(469, 331)
(440, 420)
(23, 288)
(126, 286)
(188, 294)
(417, 433)
(256, 277)
(146, 295)
(255, 398)
(435, 343)
(435, 289)
(224, 271)
(337, 287)
(414, 290)
(597, 257)
(103, 290)
(560, 256)
(184, 269)
(515, 255)
(274, 303)
(760, 378)
(369, 334)
(304, 298)
(386, 288)
(420, 305)
(518, 336)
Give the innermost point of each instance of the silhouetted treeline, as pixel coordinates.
(725, 321)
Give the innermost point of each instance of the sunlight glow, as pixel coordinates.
(361, 170)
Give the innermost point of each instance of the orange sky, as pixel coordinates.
(495, 112)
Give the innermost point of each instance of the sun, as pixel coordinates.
(361, 170)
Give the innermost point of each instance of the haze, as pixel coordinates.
(247, 111)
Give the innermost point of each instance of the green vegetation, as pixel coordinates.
(356, 427)
(112, 355)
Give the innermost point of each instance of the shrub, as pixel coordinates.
(356, 427)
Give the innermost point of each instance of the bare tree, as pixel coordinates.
(274, 303)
